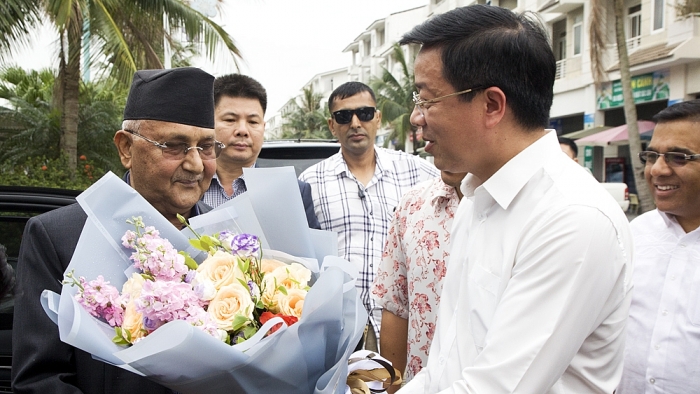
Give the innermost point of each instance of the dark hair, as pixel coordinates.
(686, 110)
(238, 85)
(349, 89)
(484, 46)
(570, 143)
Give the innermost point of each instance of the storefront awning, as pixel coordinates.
(617, 135)
(585, 132)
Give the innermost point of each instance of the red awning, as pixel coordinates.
(617, 135)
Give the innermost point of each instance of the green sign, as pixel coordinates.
(588, 157)
(647, 87)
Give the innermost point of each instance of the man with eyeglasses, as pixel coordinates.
(537, 288)
(356, 190)
(663, 331)
(240, 103)
(167, 144)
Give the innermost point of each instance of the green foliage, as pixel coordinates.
(395, 100)
(54, 173)
(687, 8)
(32, 127)
(307, 120)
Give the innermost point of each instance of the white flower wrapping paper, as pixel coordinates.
(307, 357)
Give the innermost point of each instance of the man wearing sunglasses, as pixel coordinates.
(663, 331)
(168, 144)
(356, 190)
(537, 288)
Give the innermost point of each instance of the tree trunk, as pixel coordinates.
(635, 143)
(71, 92)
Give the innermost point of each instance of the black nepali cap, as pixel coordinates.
(179, 95)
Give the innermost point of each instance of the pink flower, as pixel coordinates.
(167, 301)
(101, 300)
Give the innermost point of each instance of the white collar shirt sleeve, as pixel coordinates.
(538, 285)
(663, 332)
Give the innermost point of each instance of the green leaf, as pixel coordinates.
(239, 321)
(189, 261)
(249, 331)
(282, 290)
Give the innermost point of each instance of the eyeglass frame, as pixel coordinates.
(164, 145)
(671, 162)
(420, 103)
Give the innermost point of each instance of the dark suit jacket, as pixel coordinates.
(41, 363)
(305, 190)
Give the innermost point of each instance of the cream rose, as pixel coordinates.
(221, 269)
(292, 276)
(133, 286)
(230, 301)
(133, 322)
(292, 303)
(269, 265)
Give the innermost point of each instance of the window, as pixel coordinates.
(559, 34)
(635, 21)
(578, 34)
(634, 26)
(658, 18)
(380, 37)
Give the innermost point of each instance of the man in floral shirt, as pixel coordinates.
(409, 279)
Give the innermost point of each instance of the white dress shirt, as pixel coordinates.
(538, 284)
(361, 214)
(662, 354)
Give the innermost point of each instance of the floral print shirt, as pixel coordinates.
(409, 278)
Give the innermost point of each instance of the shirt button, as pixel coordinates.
(673, 277)
(657, 347)
(442, 360)
(664, 312)
(682, 245)
(652, 380)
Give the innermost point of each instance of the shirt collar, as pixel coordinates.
(337, 162)
(507, 182)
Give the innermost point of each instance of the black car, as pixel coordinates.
(17, 205)
(300, 154)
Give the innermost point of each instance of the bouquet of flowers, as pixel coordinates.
(229, 296)
(191, 311)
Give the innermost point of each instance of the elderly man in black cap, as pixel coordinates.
(167, 143)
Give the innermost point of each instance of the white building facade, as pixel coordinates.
(664, 53)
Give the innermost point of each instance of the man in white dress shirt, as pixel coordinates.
(663, 331)
(538, 286)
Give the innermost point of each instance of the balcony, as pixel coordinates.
(558, 6)
(561, 69)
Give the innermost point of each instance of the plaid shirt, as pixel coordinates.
(361, 215)
(216, 195)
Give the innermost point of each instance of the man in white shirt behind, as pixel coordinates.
(538, 286)
(663, 331)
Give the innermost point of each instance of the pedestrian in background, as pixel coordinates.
(240, 103)
(537, 288)
(356, 190)
(663, 331)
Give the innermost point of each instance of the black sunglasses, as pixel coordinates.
(344, 116)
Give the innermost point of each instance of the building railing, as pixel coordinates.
(561, 69)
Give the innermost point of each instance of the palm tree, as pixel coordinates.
(33, 126)
(395, 99)
(125, 35)
(307, 120)
(599, 44)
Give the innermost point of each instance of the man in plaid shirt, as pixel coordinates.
(356, 190)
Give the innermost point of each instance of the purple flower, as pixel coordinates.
(254, 290)
(245, 245)
(190, 276)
